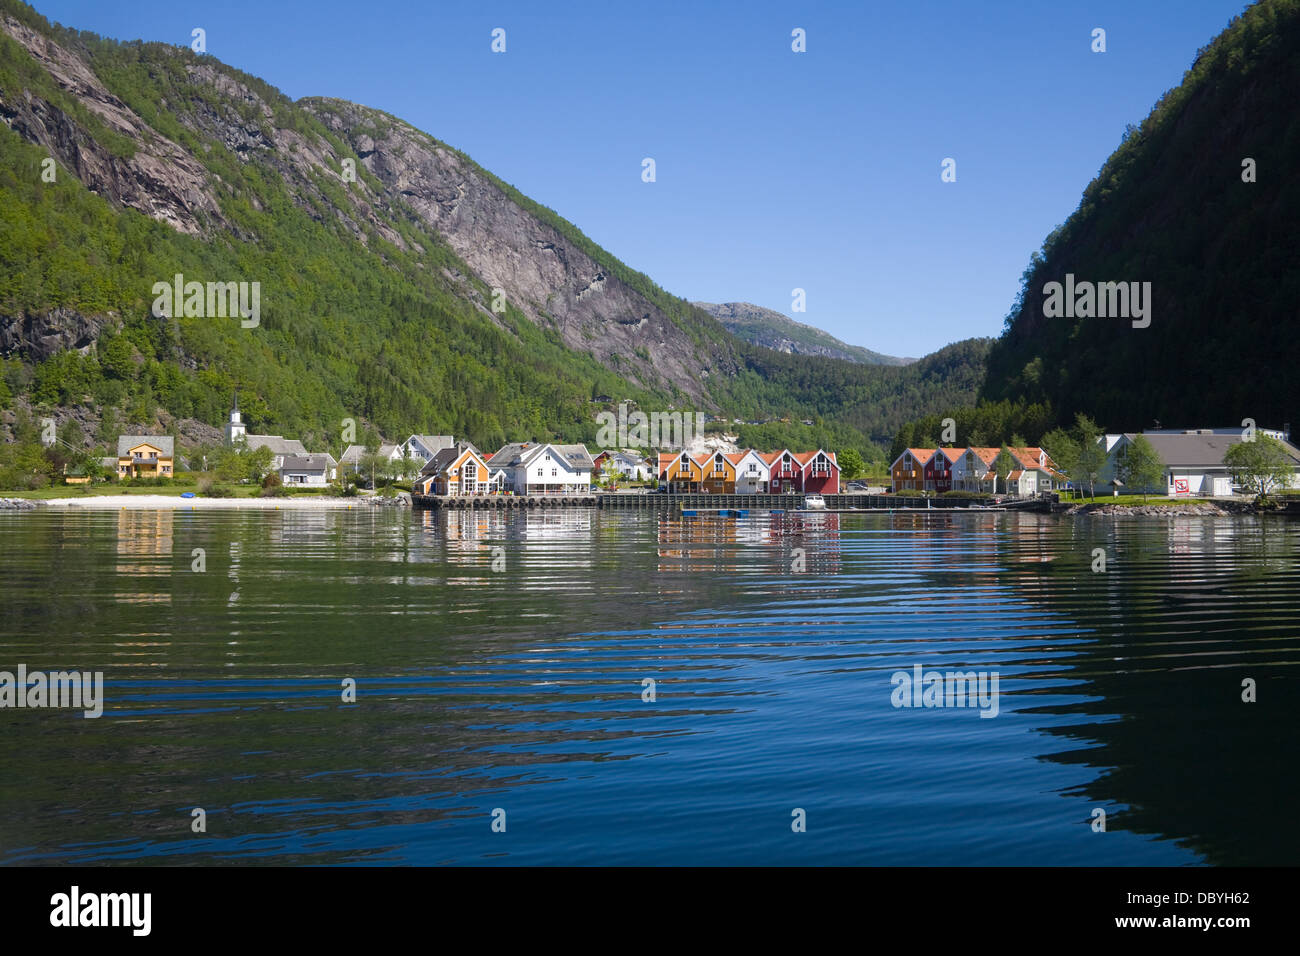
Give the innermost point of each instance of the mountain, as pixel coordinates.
(772, 330)
(1202, 201)
(402, 286)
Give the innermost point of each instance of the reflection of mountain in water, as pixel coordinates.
(1186, 610)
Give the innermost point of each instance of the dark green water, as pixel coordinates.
(772, 641)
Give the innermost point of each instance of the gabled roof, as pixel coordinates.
(1029, 457)
(576, 456)
(922, 455)
(306, 463)
(434, 443)
(352, 454)
(523, 452)
(985, 453)
(278, 445)
(166, 444)
(803, 458)
(772, 457)
(953, 454)
(444, 458)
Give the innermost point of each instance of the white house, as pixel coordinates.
(627, 463)
(970, 470)
(1193, 458)
(752, 472)
(544, 469)
(311, 470)
(421, 448)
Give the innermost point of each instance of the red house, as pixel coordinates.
(938, 470)
(821, 472)
(785, 473)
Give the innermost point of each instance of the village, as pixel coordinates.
(1194, 462)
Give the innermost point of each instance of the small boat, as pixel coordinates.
(688, 514)
(814, 503)
(187, 494)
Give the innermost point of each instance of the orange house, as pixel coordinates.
(719, 473)
(682, 473)
(908, 469)
(459, 470)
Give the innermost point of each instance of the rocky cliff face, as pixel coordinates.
(772, 330)
(161, 179)
(543, 274)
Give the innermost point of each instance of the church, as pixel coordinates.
(281, 449)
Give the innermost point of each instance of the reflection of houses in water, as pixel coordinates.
(144, 548)
(762, 543)
(304, 525)
(510, 540)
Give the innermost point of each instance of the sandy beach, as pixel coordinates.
(177, 503)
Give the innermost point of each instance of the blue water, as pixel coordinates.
(771, 640)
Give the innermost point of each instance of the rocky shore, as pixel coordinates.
(16, 504)
(1201, 509)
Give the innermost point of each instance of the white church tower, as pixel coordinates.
(235, 427)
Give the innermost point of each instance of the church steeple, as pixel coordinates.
(235, 427)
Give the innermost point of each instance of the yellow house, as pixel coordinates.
(146, 456)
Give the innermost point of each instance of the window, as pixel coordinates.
(539, 472)
(552, 472)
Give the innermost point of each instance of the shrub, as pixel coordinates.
(219, 491)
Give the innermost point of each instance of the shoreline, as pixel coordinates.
(177, 503)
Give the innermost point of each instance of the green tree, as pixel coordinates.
(1140, 465)
(851, 464)
(258, 463)
(1260, 465)
(1091, 461)
(1063, 449)
(1003, 465)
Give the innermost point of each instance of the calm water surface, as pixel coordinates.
(500, 663)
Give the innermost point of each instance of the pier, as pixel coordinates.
(708, 502)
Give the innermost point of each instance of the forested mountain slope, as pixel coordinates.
(1202, 200)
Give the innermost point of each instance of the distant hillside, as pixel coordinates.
(772, 330)
(1170, 207)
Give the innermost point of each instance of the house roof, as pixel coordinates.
(1200, 451)
(953, 454)
(278, 445)
(444, 458)
(434, 443)
(166, 444)
(514, 453)
(985, 453)
(352, 454)
(306, 463)
(576, 455)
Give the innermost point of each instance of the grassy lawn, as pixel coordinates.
(1132, 500)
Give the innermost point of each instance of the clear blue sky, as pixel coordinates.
(776, 170)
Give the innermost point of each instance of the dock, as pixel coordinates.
(715, 503)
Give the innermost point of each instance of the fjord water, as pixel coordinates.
(500, 663)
